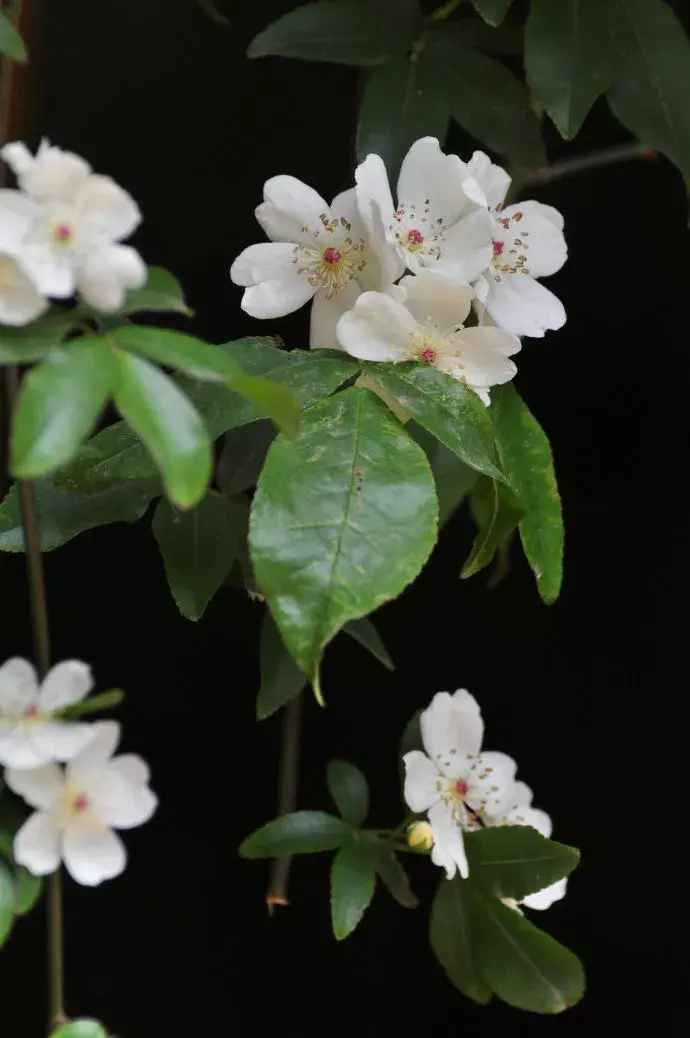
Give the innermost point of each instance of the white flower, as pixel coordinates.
(427, 327)
(527, 243)
(316, 251)
(454, 781)
(30, 733)
(440, 220)
(20, 301)
(76, 220)
(79, 806)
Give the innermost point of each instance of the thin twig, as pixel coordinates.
(582, 163)
(287, 798)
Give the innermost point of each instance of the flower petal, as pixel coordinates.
(98, 751)
(375, 203)
(430, 178)
(431, 296)
(543, 899)
(277, 296)
(50, 267)
(18, 750)
(60, 741)
(263, 262)
(484, 356)
(421, 781)
(39, 787)
(53, 174)
(109, 212)
(291, 211)
(492, 774)
(37, 845)
(377, 328)
(492, 179)
(519, 304)
(466, 250)
(123, 804)
(449, 847)
(17, 214)
(106, 275)
(452, 729)
(92, 853)
(20, 301)
(326, 312)
(547, 250)
(533, 817)
(64, 684)
(17, 156)
(18, 686)
(132, 767)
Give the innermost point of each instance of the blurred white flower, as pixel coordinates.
(77, 809)
(75, 222)
(317, 252)
(454, 781)
(20, 300)
(30, 732)
(428, 327)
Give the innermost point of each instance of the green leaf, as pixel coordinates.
(37, 340)
(526, 459)
(393, 876)
(571, 56)
(344, 31)
(161, 293)
(242, 456)
(348, 787)
(62, 514)
(497, 513)
(519, 963)
(81, 1029)
(486, 98)
(412, 735)
(7, 902)
(109, 458)
(59, 403)
(454, 480)
(364, 632)
(11, 43)
(169, 426)
(28, 891)
(451, 938)
(492, 11)
(343, 518)
(650, 96)
(353, 880)
(301, 833)
(198, 547)
(515, 860)
(447, 408)
(281, 678)
(403, 101)
(94, 704)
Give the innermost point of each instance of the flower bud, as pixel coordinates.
(420, 837)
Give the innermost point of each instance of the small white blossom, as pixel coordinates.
(317, 252)
(428, 327)
(440, 220)
(527, 244)
(454, 781)
(30, 732)
(20, 300)
(75, 220)
(79, 807)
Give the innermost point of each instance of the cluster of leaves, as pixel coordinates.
(485, 947)
(427, 70)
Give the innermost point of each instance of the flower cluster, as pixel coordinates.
(61, 233)
(464, 248)
(463, 788)
(78, 806)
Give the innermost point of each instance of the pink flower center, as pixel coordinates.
(31, 712)
(499, 246)
(461, 787)
(80, 803)
(429, 355)
(63, 233)
(415, 237)
(332, 255)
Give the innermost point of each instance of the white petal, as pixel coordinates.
(431, 297)
(65, 684)
(421, 781)
(515, 796)
(108, 212)
(532, 816)
(17, 156)
(54, 174)
(452, 729)
(377, 328)
(546, 249)
(92, 853)
(20, 302)
(37, 845)
(107, 273)
(18, 750)
(427, 176)
(263, 262)
(519, 304)
(51, 268)
(491, 775)
(466, 249)
(40, 787)
(17, 214)
(18, 686)
(484, 356)
(60, 741)
(291, 211)
(543, 899)
(492, 179)
(123, 804)
(96, 754)
(132, 767)
(278, 296)
(375, 204)
(326, 312)
(449, 845)
(344, 206)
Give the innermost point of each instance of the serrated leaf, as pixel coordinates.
(447, 408)
(515, 860)
(11, 43)
(492, 11)
(243, 454)
(353, 880)
(519, 963)
(403, 101)
(81, 1029)
(281, 678)
(348, 787)
(37, 340)
(304, 832)
(343, 518)
(7, 901)
(526, 458)
(454, 479)
(168, 424)
(572, 55)
(364, 632)
(393, 876)
(162, 293)
(60, 401)
(63, 514)
(198, 547)
(486, 99)
(650, 95)
(343, 31)
(497, 512)
(450, 935)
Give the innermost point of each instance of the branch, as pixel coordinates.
(582, 163)
(287, 798)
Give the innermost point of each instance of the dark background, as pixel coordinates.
(585, 694)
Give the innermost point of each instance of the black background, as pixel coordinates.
(587, 694)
